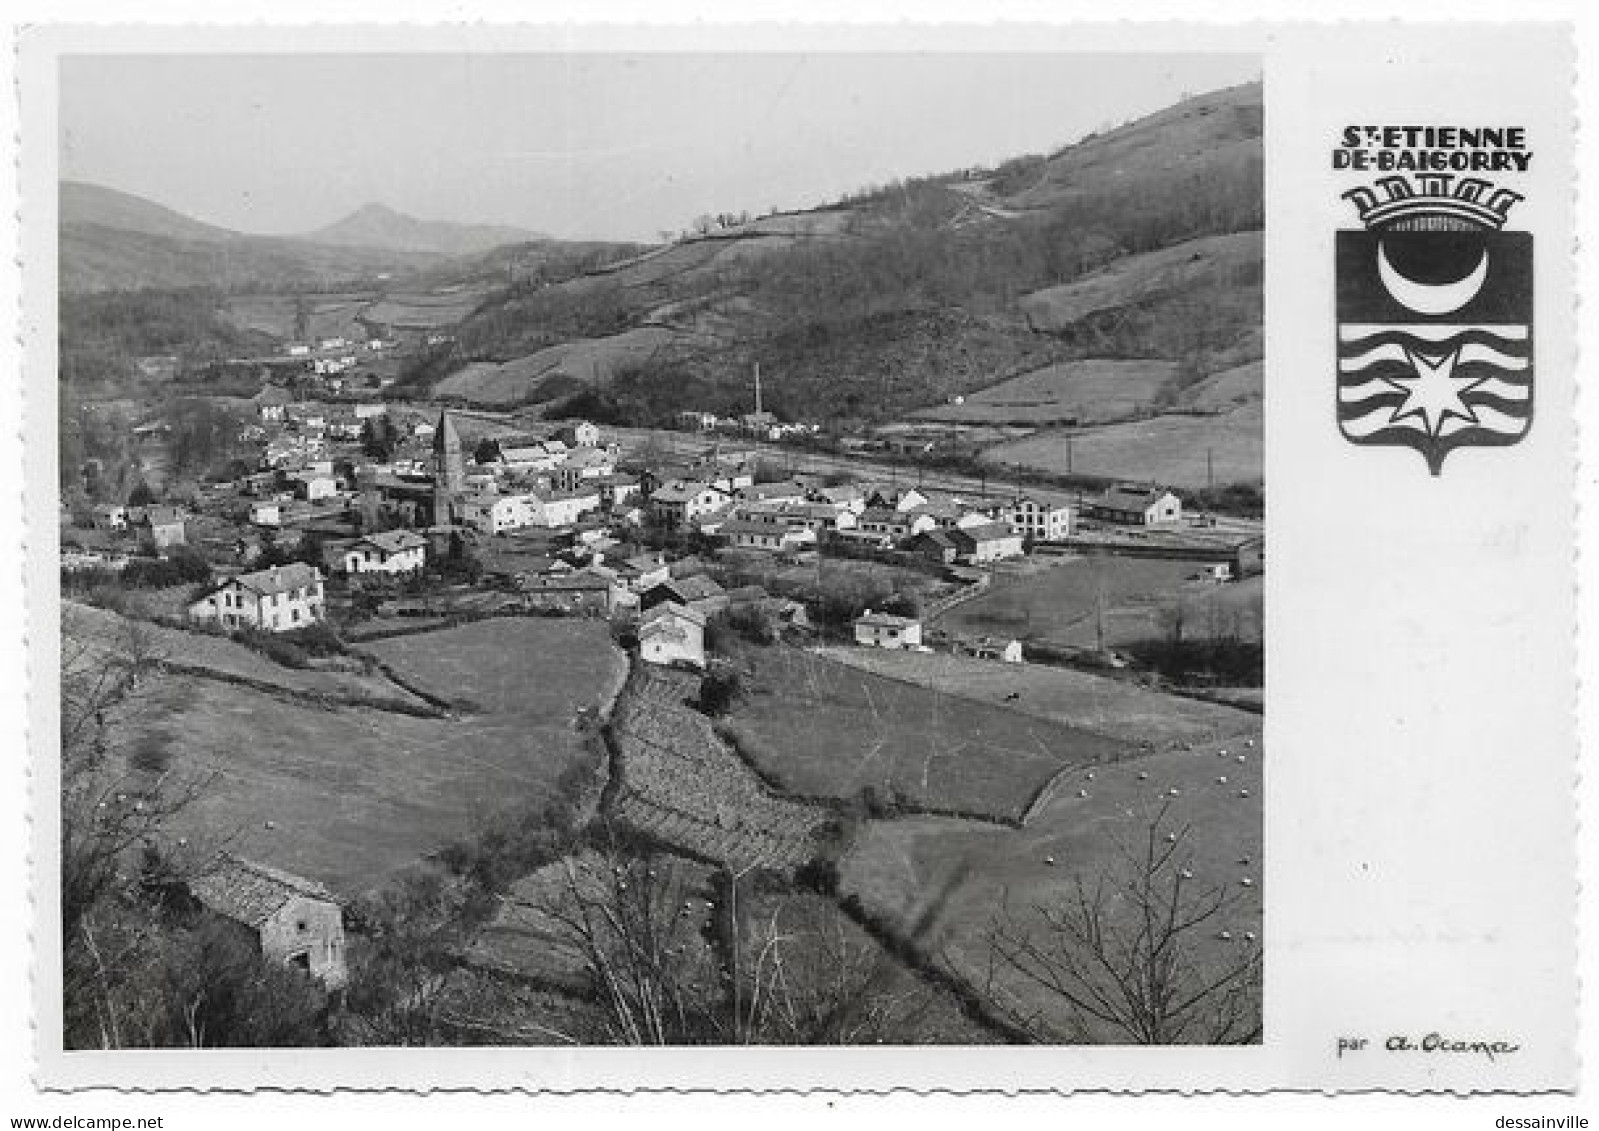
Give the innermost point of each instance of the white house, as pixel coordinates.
(494, 514)
(295, 921)
(1038, 519)
(744, 534)
(683, 501)
(990, 542)
(580, 435)
(392, 551)
(671, 633)
(563, 508)
(279, 599)
(266, 512)
(883, 630)
(314, 485)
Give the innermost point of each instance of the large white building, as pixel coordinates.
(279, 599)
(1038, 519)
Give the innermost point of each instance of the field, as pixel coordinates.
(1115, 708)
(1059, 605)
(432, 310)
(1170, 450)
(964, 876)
(1206, 263)
(564, 367)
(327, 315)
(535, 667)
(825, 729)
(349, 795)
(97, 629)
(1082, 392)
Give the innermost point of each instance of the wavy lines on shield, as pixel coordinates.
(1434, 387)
(1430, 332)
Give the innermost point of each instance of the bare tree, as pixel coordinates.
(1123, 954)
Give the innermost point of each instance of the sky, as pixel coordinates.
(601, 146)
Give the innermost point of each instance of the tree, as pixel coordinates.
(1123, 954)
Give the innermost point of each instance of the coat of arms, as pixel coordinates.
(1434, 317)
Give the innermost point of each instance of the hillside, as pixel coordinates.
(379, 227)
(1140, 244)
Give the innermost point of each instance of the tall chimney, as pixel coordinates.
(757, 388)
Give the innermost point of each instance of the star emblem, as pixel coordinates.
(1433, 391)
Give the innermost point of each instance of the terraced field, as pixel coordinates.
(680, 785)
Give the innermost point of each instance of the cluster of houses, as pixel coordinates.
(798, 514)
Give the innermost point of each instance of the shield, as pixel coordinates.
(1434, 339)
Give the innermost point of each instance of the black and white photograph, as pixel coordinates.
(671, 560)
(675, 549)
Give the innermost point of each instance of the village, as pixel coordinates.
(365, 508)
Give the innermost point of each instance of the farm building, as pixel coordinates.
(699, 593)
(1038, 519)
(1128, 505)
(295, 921)
(884, 630)
(592, 589)
(276, 600)
(671, 633)
(160, 527)
(393, 551)
(935, 545)
(266, 512)
(990, 542)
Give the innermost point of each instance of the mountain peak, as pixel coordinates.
(378, 225)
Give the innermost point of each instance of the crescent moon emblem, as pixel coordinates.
(1431, 298)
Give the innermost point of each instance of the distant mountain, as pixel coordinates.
(86, 204)
(378, 226)
(112, 240)
(116, 241)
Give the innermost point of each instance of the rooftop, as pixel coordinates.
(252, 893)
